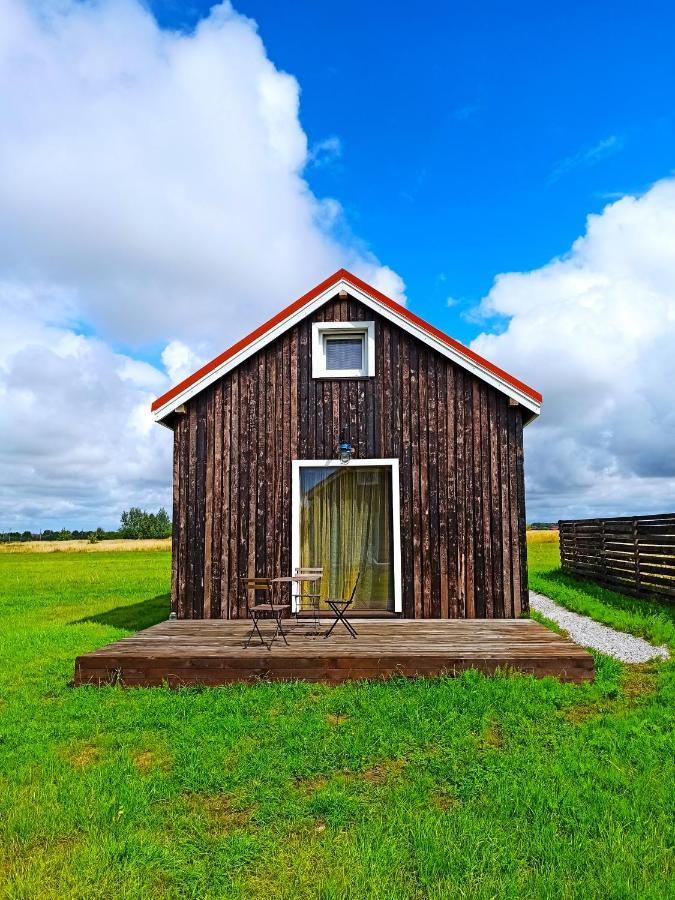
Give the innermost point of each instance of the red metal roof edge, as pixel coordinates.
(309, 296)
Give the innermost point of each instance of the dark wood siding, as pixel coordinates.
(460, 446)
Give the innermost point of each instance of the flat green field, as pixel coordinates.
(504, 787)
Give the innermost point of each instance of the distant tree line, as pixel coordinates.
(135, 524)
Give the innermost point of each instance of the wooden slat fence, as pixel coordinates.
(632, 554)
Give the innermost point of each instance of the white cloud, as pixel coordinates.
(589, 156)
(325, 152)
(595, 332)
(151, 193)
(387, 281)
(179, 361)
(78, 443)
(157, 175)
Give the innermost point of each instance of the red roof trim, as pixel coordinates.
(306, 298)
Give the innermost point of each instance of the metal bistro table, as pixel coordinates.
(289, 580)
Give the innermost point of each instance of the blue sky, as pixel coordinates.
(476, 137)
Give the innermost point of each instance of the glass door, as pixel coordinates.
(346, 528)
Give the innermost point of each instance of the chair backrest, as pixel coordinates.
(256, 585)
(356, 584)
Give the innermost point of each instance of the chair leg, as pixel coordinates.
(340, 617)
(255, 629)
(279, 630)
(330, 630)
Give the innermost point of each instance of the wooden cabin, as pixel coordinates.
(347, 433)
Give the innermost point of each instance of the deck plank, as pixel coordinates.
(211, 652)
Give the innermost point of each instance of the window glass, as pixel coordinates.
(346, 529)
(344, 353)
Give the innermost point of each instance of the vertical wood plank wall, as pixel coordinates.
(460, 446)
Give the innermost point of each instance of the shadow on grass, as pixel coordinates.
(134, 617)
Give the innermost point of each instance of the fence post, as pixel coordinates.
(636, 555)
(575, 545)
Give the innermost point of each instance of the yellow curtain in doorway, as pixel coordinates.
(345, 527)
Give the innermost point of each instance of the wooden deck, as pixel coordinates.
(211, 653)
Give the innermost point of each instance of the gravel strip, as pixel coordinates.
(588, 633)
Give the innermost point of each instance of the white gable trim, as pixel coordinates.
(372, 303)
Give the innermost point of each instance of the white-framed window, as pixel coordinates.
(343, 349)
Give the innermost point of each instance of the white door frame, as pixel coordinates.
(297, 464)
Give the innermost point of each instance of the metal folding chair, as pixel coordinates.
(267, 609)
(340, 607)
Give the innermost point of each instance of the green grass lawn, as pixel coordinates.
(469, 787)
(654, 620)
